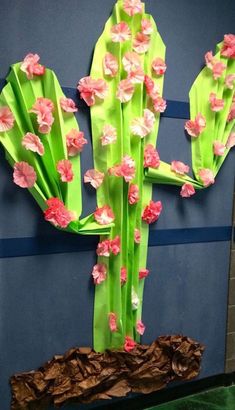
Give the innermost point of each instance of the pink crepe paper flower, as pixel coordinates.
(152, 212)
(229, 81)
(6, 119)
(215, 65)
(159, 104)
(219, 148)
(141, 43)
(123, 275)
(33, 143)
(137, 236)
(159, 66)
(126, 169)
(113, 322)
(129, 345)
(146, 27)
(231, 114)
(209, 59)
(110, 65)
(99, 273)
(151, 157)
(115, 245)
(90, 88)
(64, 167)
(206, 176)
(58, 214)
(132, 7)
(31, 67)
(231, 140)
(152, 89)
(125, 90)
(143, 273)
(104, 215)
(140, 327)
(109, 135)
(75, 142)
(68, 105)
(196, 127)
(133, 194)
(120, 32)
(103, 248)
(142, 126)
(228, 49)
(187, 190)
(179, 167)
(43, 108)
(216, 104)
(94, 177)
(24, 175)
(136, 76)
(131, 61)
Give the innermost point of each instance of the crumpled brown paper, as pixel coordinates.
(82, 375)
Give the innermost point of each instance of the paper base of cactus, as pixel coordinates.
(81, 375)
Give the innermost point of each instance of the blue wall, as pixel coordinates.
(46, 301)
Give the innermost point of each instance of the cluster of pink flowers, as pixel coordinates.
(126, 169)
(43, 108)
(94, 177)
(64, 167)
(142, 126)
(196, 127)
(216, 66)
(159, 104)
(24, 175)
(90, 89)
(228, 48)
(151, 157)
(152, 212)
(31, 66)
(75, 142)
(7, 119)
(99, 273)
(108, 246)
(104, 215)
(58, 214)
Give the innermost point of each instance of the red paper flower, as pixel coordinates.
(123, 276)
(64, 167)
(31, 67)
(115, 245)
(141, 43)
(24, 175)
(125, 90)
(130, 344)
(94, 177)
(159, 66)
(133, 194)
(187, 190)
(104, 215)
(152, 212)
(179, 167)
(140, 327)
(99, 273)
(43, 108)
(151, 157)
(75, 142)
(68, 105)
(196, 127)
(143, 273)
(6, 119)
(110, 65)
(137, 236)
(132, 7)
(58, 214)
(216, 104)
(90, 89)
(33, 143)
(120, 32)
(207, 176)
(219, 148)
(228, 48)
(113, 322)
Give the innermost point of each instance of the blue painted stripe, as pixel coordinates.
(175, 109)
(44, 245)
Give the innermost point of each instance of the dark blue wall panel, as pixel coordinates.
(46, 301)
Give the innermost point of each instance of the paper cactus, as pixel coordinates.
(124, 90)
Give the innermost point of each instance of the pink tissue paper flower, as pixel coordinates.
(228, 48)
(99, 273)
(103, 248)
(58, 214)
(75, 142)
(123, 275)
(120, 32)
(152, 212)
(231, 115)
(130, 344)
(142, 126)
(24, 175)
(196, 127)
(159, 66)
(141, 43)
(136, 76)
(64, 167)
(133, 194)
(151, 157)
(187, 190)
(115, 245)
(143, 273)
(109, 135)
(90, 88)
(6, 119)
(159, 104)
(104, 215)
(229, 81)
(31, 67)
(219, 148)
(125, 90)
(68, 105)
(33, 143)
(43, 108)
(113, 322)
(146, 27)
(126, 169)
(132, 7)
(140, 327)
(137, 236)
(152, 89)
(110, 65)
(216, 104)
(94, 177)
(206, 176)
(131, 61)
(231, 140)
(179, 167)
(215, 65)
